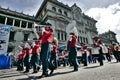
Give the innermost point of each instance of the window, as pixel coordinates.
(60, 11)
(11, 38)
(29, 25)
(53, 8)
(23, 24)
(65, 36)
(2, 19)
(17, 23)
(9, 21)
(25, 37)
(58, 35)
(65, 13)
(62, 36)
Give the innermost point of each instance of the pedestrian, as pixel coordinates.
(73, 51)
(98, 44)
(84, 54)
(27, 49)
(20, 61)
(46, 40)
(108, 55)
(35, 56)
(53, 57)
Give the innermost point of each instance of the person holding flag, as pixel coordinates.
(46, 40)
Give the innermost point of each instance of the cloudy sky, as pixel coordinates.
(106, 12)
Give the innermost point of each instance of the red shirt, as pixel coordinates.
(21, 56)
(98, 43)
(73, 42)
(46, 37)
(54, 48)
(84, 47)
(36, 48)
(27, 50)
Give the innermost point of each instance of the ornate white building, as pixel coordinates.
(53, 12)
(59, 15)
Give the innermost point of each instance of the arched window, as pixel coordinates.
(53, 8)
(60, 11)
(65, 13)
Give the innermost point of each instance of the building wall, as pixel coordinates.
(59, 16)
(20, 28)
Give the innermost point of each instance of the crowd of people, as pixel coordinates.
(43, 51)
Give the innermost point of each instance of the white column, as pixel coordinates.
(13, 22)
(60, 36)
(5, 20)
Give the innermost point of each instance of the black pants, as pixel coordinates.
(100, 57)
(35, 62)
(84, 55)
(20, 65)
(72, 57)
(27, 62)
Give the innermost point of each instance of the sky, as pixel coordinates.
(106, 12)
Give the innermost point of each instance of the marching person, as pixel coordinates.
(53, 56)
(98, 43)
(84, 54)
(46, 40)
(73, 51)
(108, 55)
(117, 52)
(20, 61)
(35, 56)
(27, 49)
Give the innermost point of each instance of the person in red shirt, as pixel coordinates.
(27, 49)
(98, 43)
(46, 40)
(35, 57)
(84, 54)
(53, 59)
(73, 52)
(20, 63)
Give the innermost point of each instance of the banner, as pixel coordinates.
(4, 38)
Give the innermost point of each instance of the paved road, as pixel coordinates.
(110, 71)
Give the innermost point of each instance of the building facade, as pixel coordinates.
(20, 24)
(59, 15)
(108, 38)
(53, 12)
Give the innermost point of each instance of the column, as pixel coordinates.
(20, 24)
(5, 20)
(13, 22)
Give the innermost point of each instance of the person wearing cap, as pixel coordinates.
(98, 43)
(84, 54)
(73, 51)
(35, 56)
(20, 59)
(27, 58)
(46, 40)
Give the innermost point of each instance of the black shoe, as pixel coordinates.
(51, 72)
(101, 64)
(26, 71)
(34, 72)
(75, 70)
(38, 68)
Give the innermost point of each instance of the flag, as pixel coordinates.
(71, 27)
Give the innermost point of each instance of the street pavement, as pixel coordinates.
(109, 71)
